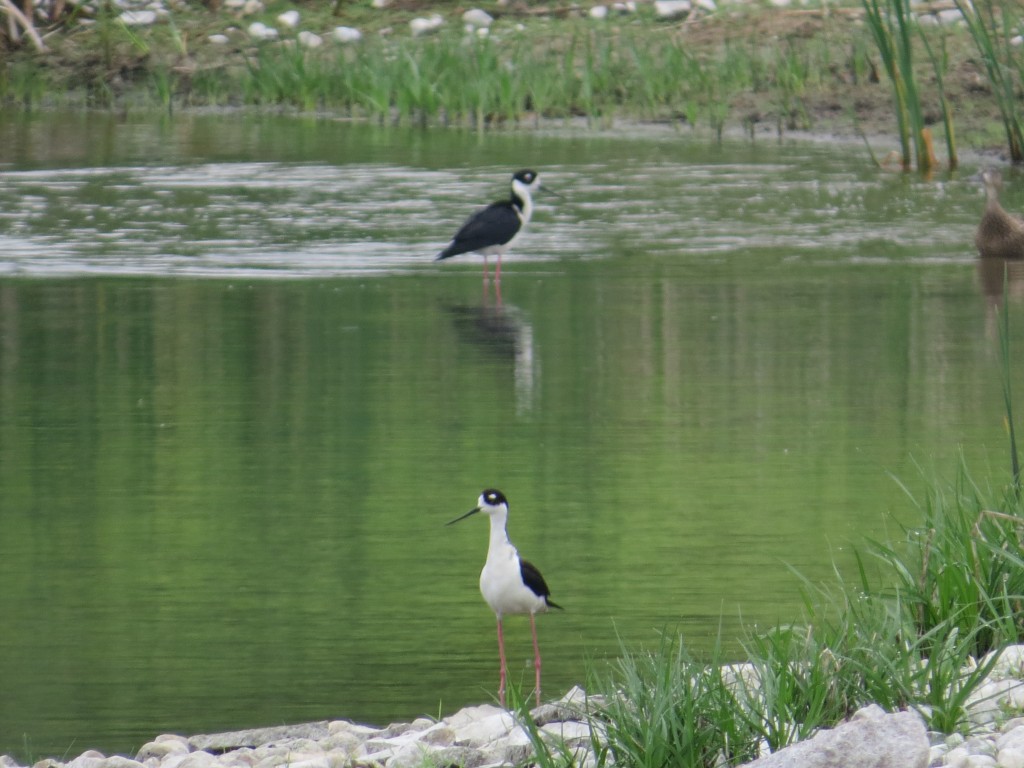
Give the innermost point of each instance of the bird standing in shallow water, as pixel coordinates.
(508, 583)
(494, 229)
(1000, 235)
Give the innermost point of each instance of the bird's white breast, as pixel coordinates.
(501, 584)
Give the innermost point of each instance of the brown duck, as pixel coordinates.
(1000, 235)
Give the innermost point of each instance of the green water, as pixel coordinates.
(238, 402)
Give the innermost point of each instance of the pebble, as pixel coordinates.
(138, 18)
(347, 34)
(486, 735)
(289, 19)
(260, 31)
(425, 25)
(475, 17)
(671, 9)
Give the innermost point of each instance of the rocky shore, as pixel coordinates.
(488, 736)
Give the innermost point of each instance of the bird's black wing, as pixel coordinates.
(533, 579)
(494, 225)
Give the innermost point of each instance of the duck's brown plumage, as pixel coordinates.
(1000, 235)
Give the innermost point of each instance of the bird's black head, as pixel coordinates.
(525, 176)
(490, 501)
(492, 497)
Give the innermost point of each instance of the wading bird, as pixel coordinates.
(508, 583)
(494, 229)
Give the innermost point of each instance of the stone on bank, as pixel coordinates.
(491, 737)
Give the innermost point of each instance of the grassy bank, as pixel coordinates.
(742, 67)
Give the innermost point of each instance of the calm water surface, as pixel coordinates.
(238, 402)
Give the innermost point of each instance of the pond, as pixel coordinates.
(239, 401)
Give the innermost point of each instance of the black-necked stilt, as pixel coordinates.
(508, 583)
(493, 230)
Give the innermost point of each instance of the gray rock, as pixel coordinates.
(476, 17)
(871, 739)
(138, 18)
(257, 737)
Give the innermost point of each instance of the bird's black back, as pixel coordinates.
(533, 580)
(494, 225)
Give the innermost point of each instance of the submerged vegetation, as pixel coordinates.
(741, 66)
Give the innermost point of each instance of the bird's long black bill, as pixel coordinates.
(463, 517)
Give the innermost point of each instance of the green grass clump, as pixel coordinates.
(993, 26)
(923, 633)
(892, 24)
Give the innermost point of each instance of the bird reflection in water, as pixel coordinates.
(999, 280)
(505, 334)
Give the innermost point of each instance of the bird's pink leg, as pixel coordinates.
(536, 658)
(497, 271)
(501, 655)
(485, 269)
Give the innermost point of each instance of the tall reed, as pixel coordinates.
(892, 24)
(993, 26)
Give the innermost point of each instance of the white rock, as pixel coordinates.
(707, 5)
(380, 3)
(1009, 664)
(310, 39)
(1017, 40)
(260, 31)
(424, 26)
(347, 34)
(88, 759)
(475, 17)
(484, 730)
(233, 5)
(252, 6)
(980, 761)
(218, 39)
(957, 758)
(671, 9)
(343, 726)
(160, 747)
(949, 16)
(289, 19)
(1011, 739)
(572, 732)
(515, 748)
(1010, 758)
(598, 12)
(986, 704)
(138, 18)
(870, 738)
(198, 759)
(119, 761)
